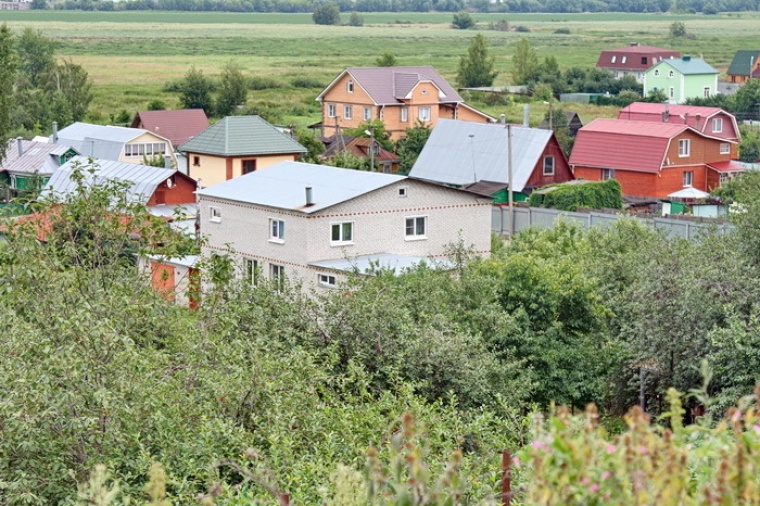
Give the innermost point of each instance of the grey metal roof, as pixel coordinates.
(364, 264)
(689, 66)
(100, 141)
(283, 186)
(143, 179)
(386, 85)
(461, 152)
(37, 157)
(242, 135)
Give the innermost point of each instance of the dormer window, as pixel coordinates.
(350, 86)
(614, 59)
(624, 59)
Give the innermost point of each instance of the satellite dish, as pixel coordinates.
(170, 182)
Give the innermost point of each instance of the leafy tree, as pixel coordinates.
(524, 62)
(72, 82)
(747, 99)
(749, 149)
(233, 89)
(377, 128)
(409, 147)
(462, 20)
(356, 19)
(314, 147)
(156, 105)
(326, 14)
(7, 73)
(677, 29)
(476, 69)
(195, 91)
(39, 5)
(387, 59)
(36, 56)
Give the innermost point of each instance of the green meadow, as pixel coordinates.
(130, 55)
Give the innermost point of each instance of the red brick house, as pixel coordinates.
(651, 159)
(633, 60)
(711, 121)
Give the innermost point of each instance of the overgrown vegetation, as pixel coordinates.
(571, 197)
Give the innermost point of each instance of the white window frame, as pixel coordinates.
(725, 148)
(424, 114)
(684, 148)
(623, 60)
(327, 280)
(415, 234)
(145, 149)
(403, 192)
(342, 240)
(688, 178)
(608, 174)
(348, 112)
(404, 115)
(277, 275)
(724, 177)
(614, 59)
(671, 92)
(276, 230)
(350, 86)
(215, 214)
(550, 172)
(707, 92)
(331, 112)
(367, 114)
(717, 125)
(252, 271)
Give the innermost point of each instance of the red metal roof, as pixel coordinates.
(729, 166)
(177, 126)
(634, 55)
(681, 115)
(620, 144)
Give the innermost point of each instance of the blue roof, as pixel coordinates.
(689, 66)
(283, 186)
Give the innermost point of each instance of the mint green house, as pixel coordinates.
(681, 78)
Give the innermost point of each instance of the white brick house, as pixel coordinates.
(314, 223)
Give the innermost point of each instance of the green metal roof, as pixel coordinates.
(689, 66)
(741, 62)
(241, 136)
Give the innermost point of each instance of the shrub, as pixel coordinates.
(562, 31)
(306, 82)
(264, 83)
(462, 21)
(571, 197)
(522, 29)
(500, 26)
(356, 19)
(678, 29)
(326, 14)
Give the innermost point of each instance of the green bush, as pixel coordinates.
(264, 83)
(306, 82)
(571, 197)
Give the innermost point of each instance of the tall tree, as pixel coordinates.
(326, 14)
(410, 146)
(524, 62)
(476, 69)
(74, 85)
(36, 56)
(233, 89)
(195, 91)
(7, 73)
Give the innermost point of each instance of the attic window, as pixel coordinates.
(350, 86)
(624, 59)
(424, 92)
(671, 74)
(657, 73)
(614, 59)
(644, 60)
(402, 192)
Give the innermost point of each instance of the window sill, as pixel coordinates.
(277, 241)
(338, 244)
(215, 220)
(416, 238)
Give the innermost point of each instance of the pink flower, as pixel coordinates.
(585, 480)
(605, 475)
(537, 445)
(611, 448)
(607, 496)
(594, 488)
(516, 461)
(643, 450)
(757, 428)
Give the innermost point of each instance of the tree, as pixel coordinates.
(677, 29)
(233, 89)
(38, 5)
(72, 82)
(356, 19)
(326, 14)
(410, 146)
(195, 91)
(462, 20)
(7, 73)
(476, 69)
(387, 59)
(524, 62)
(747, 99)
(36, 56)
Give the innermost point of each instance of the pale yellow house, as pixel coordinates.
(235, 146)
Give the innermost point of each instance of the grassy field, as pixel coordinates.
(130, 55)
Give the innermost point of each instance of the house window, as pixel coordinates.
(548, 166)
(342, 233)
(707, 92)
(252, 271)
(671, 92)
(249, 166)
(276, 230)
(643, 60)
(424, 114)
(717, 125)
(624, 59)
(350, 86)
(331, 110)
(348, 112)
(657, 73)
(688, 178)
(724, 177)
(671, 74)
(367, 114)
(215, 214)
(404, 114)
(725, 148)
(327, 280)
(402, 192)
(145, 149)
(416, 227)
(614, 59)
(277, 275)
(608, 174)
(196, 161)
(684, 147)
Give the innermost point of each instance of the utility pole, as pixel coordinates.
(509, 181)
(371, 149)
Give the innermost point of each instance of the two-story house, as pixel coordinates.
(314, 224)
(399, 96)
(633, 60)
(711, 121)
(681, 78)
(744, 66)
(651, 159)
(235, 146)
(178, 126)
(461, 153)
(131, 145)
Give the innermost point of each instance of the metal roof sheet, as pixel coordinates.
(634, 54)
(37, 157)
(461, 152)
(100, 141)
(743, 60)
(689, 66)
(242, 135)
(283, 186)
(177, 126)
(142, 179)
